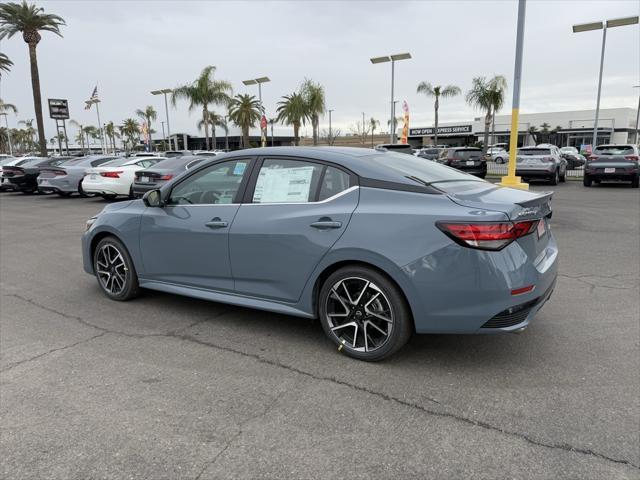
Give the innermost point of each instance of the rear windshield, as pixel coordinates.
(114, 163)
(467, 153)
(172, 163)
(614, 150)
(534, 151)
(418, 170)
(431, 151)
(33, 162)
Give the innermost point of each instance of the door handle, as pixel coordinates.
(216, 223)
(324, 225)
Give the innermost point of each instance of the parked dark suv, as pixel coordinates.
(467, 159)
(613, 162)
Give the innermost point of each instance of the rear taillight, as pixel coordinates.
(111, 174)
(487, 235)
(547, 159)
(165, 177)
(633, 158)
(59, 173)
(591, 158)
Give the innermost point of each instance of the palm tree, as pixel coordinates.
(204, 91)
(533, 133)
(131, 130)
(436, 92)
(245, 111)
(215, 120)
(148, 115)
(292, 110)
(5, 64)
(373, 124)
(111, 133)
(313, 94)
(31, 132)
(487, 96)
(80, 135)
(272, 122)
(30, 20)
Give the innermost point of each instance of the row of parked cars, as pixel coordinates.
(108, 176)
(543, 162)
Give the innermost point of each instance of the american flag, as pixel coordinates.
(92, 99)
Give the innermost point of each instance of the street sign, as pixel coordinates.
(58, 109)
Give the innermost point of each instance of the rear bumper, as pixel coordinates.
(478, 170)
(470, 288)
(106, 188)
(618, 175)
(531, 173)
(60, 184)
(23, 184)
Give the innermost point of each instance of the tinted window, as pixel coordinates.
(431, 151)
(287, 181)
(534, 151)
(615, 150)
(416, 168)
(173, 163)
(101, 161)
(217, 184)
(333, 182)
(468, 153)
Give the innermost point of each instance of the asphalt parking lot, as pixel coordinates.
(166, 387)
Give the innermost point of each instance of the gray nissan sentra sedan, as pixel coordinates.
(376, 245)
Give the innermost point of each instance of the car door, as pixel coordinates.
(293, 212)
(186, 241)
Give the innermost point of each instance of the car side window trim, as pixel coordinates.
(247, 199)
(237, 199)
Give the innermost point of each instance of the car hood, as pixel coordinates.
(516, 204)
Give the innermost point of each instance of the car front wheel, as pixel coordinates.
(114, 270)
(364, 313)
(555, 178)
(586, 181)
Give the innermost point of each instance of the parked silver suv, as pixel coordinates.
(543, 161)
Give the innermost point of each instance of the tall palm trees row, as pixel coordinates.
(305, 104)
(485, 94)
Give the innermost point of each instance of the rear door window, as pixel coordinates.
(333, 182)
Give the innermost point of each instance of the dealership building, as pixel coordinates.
(573, 128)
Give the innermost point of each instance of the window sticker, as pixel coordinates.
(239, 168)
(283, 185)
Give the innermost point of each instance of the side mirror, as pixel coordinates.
(152, 198)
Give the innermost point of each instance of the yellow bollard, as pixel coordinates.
(510, 180)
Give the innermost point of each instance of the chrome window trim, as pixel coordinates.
(339, 194)
(326, 200)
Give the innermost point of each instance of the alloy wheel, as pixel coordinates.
(111, 269)
(359, 314)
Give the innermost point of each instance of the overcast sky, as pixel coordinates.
(129, 48)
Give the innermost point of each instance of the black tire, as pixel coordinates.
(131, 196)
(130, 289)
(399, 329)
(635, 181)
(586, 180)
(555, 178)
(499, 160)
(563, 177)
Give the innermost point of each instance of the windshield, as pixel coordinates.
(431, 151)
(614, 150)
(534, 151)
(419, 170)
(115, 163)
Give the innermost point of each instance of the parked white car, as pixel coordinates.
(497, 154)
(116, 177)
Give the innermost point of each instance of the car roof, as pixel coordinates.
(357, 160)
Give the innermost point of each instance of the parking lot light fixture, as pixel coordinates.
(637, 115)
(587, 27)
(164, 92)
(393, 59)
(510, 180)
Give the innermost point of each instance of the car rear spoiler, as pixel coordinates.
(536, 207)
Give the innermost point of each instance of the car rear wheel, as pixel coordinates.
(635, 181)
(586, 181)
(563, 177)
(114, 270)
(555, 178)
(499, 160)
(364, 313)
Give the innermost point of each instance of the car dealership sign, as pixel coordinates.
(58, 109)
(451, 130)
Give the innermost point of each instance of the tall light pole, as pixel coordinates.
(226, 133)
(164, 139)
(329, 142)
(604, 25)
(393, 59)
(511, 180)
(260, 81)
(164, 92)
(637, 116)
(6, 122)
